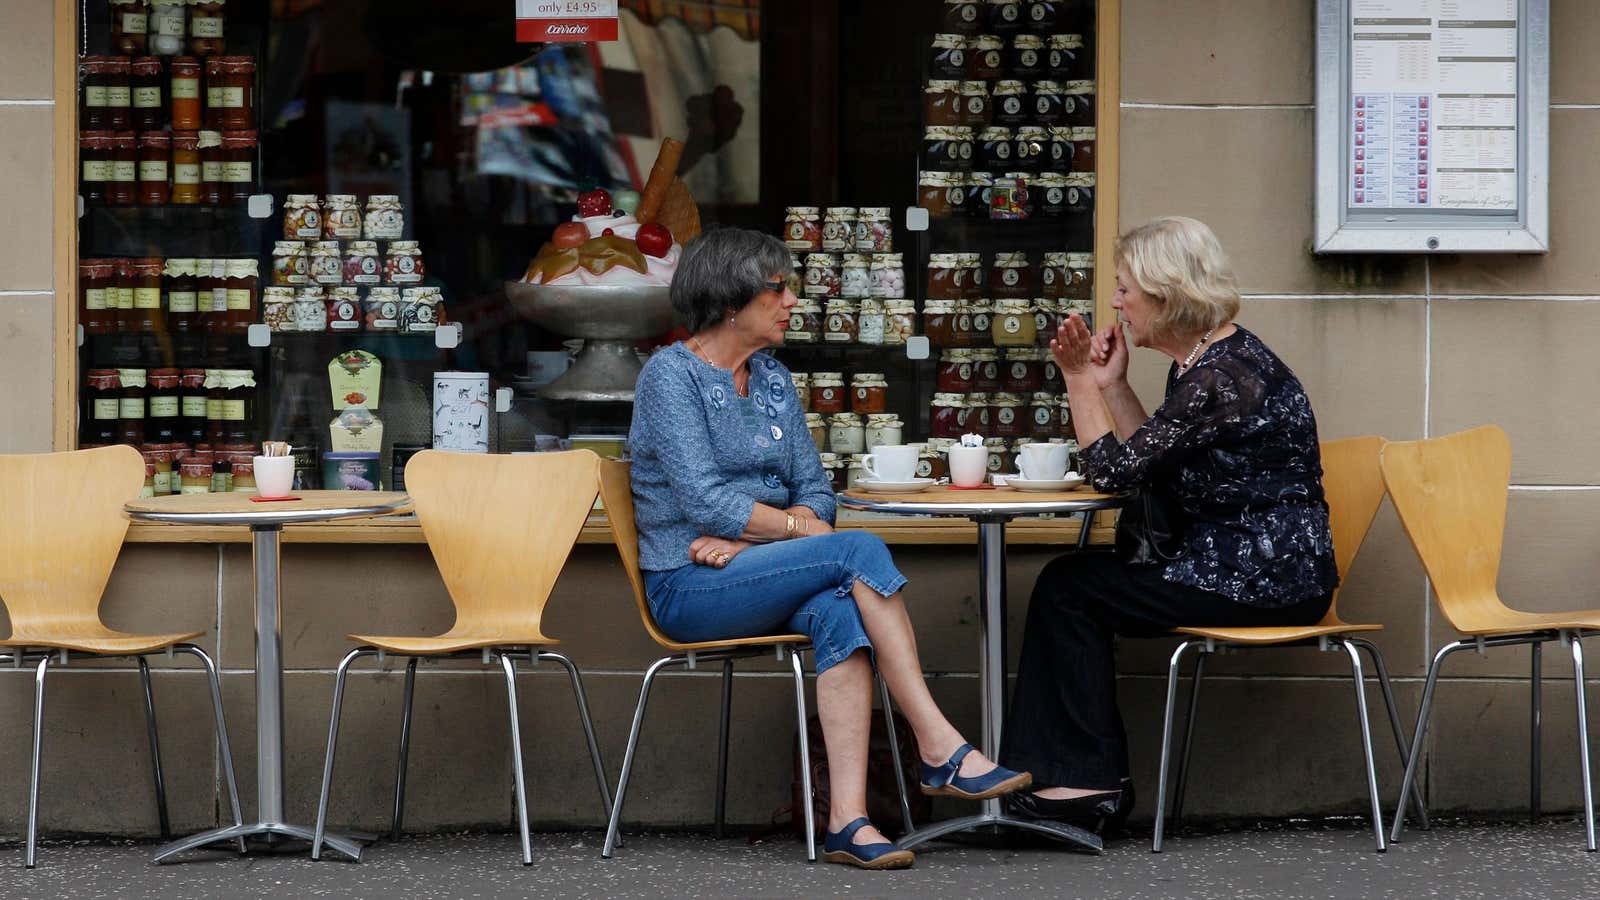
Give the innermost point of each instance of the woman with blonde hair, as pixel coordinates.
(1230, 465)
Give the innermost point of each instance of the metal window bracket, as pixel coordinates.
(1322, 644)
(1211, 645)
(380, 657)
(172, 654)
(63, 657)
(1482, 647)
(691, 659)
(780, 649)
(488, 656)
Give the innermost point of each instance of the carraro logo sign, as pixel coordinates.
(555, 21)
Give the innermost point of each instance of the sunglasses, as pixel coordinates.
(775, 286)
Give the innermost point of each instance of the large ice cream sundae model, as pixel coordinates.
(604, 277)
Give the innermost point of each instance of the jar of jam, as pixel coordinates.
(1049, 103)
(95, 279)
(302, 218)
(420, 310)
(1001, 457)
(94, 153)
(855, 280)
(1022, 371)
(164, 426)
(1005, 16)
(385, 218)
(838, 228)
(92, 93)
(1008, 417)
(206, 28)
(144, 77)
(884, 429)
(947, 415)
(948, 56)
(797, 277)
(1079, 283)
(874, 230)
(856, 467)
(802, 389)
(230, 92)
(192, 406)
(835, 469)
(930, 462)
(1053, 276)
(1083, 155)
(802, 228)
(131, 411)
(130, 26)
(1067, 60)
(979, 188)
(185, 169)
(155, 161)
(212, 295)
(827, 392)
(167, 27)
(1063, 416)
(311, 309)
(147, 316)
(963, 16)
(944, 147)
(955, 373)
(972, 285)
(975, 414)
(986, 57)
(939, 322)
(325, 266)
(887, 276)
(982, 321)
(899, 322)
(994, 148)
(1046, 318)
(244, 473)
(344, 309)
(290, 264)
(238, 165)
(1059, 158)
(1011, 277)
(194, 476)
(985, 370)
(244, 294)
(805, 323)
(341, 218)
(1033, 143)
(941, 103)
(119, 93)
(1078, 104)
(1080, 193)
(1042, 16)
(961, 333)
(403, 265)
(847, 433)
(212, 188)
(122, 188)
(277, 307)
(235, 389)
(382, 309)
(1052, 374)
(1027, 56)
(818, 427)
(946, 277)
(1012, 106)
(975, 111)
(822, 275)
(361, 264)
(839, 322)
(1042, 416)
(869, 393)
(1083, 309)
(942, 194)
(870, 322)
(1050, 193)
(101, 408)
(184, 93)
(1013, 324)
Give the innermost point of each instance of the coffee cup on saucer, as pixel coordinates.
(891, 463)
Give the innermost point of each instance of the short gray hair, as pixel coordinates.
(722, 270)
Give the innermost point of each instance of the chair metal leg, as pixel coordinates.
(1190, 724)
(627, 757)
(1583, 740)
(510, 667)
(1166, 741)
(1535, 752)
(1415, 756)
(155, 750)
(894, 755)
(222, 731)
(1394, 722)
(333, 742)
(1366, 741)
(38, 741)
(398, 819)
(806, 796)
(582, 698)
(722, 746)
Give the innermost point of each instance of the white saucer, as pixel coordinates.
(895, 487)
(1062, 484)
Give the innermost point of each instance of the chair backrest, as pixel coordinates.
(501, 528)
(1353, 487)
(61, 527)
(1451, 495)
(616, 491)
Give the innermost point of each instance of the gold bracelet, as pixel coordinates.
(789, 526)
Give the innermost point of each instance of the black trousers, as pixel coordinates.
(1064, 725)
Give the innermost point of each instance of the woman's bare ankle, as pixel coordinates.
(1066, 793)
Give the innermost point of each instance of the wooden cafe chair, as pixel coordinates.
(617, 494)
(1451, 495)
(1354, 491)
(500, 528)
(61, 524)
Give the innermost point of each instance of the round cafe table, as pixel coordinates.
(266, 521)
(991, 509)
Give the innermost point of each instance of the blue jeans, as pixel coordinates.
(800, 586)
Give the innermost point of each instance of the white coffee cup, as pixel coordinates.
(1044, 462)
(969, 466)
(274, 476)
(890, 462)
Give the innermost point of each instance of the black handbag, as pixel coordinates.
(1149, 530)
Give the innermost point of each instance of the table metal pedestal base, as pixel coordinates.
(967, 823)
(258, 830)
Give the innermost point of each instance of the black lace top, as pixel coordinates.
(1234, 447)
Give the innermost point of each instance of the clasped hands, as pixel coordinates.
(1102, 354)
(717, 552)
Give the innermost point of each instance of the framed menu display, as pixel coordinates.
(1432, 126)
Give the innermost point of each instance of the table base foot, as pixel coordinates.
(1057, 830)
(269, 830)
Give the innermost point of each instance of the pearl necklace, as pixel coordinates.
(1189, 360)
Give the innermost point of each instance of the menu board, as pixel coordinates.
(1433, 105)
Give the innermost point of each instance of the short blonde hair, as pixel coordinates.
(1179, 262)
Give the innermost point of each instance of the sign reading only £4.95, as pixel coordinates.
(566, 21)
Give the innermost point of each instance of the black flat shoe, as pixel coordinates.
(1090, 812)
(1116, 824)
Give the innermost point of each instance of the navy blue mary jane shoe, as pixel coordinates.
(837, 848)
(946, 780)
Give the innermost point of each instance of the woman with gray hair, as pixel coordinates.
(1231, 455)
(736, 532)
